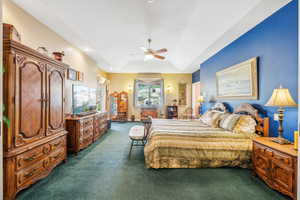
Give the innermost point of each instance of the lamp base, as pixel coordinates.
(280, 140)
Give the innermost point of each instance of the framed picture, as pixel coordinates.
(239, 81)
(80, 76)
(72, 74)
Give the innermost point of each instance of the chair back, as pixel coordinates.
(147, 126)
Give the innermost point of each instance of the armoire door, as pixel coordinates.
(29, 100)
(55, 99)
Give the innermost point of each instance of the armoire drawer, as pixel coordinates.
(28, 175)
(58, 143)
(32, 172)
(30, 157)
(57, 156)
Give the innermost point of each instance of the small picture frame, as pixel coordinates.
(72, 74)
(80, 76)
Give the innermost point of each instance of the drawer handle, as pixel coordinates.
(30, 173)
(285, 160)
(33, 157)
(57, 144)
(57, 156)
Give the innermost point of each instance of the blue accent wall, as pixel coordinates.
(275, 43)
(196, 76)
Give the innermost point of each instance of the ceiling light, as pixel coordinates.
(150, 1)
(87, 49)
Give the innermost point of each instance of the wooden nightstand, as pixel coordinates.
(276, 164)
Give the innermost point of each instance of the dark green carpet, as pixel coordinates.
(103, 171)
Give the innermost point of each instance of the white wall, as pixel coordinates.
(34, 34)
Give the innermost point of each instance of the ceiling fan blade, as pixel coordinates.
(164, 50)
(144, 49)
(159, 57)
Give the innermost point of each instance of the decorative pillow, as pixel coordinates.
(215, 119)
(229, 121)
(246, 124)
(211, 118)
(206, 117)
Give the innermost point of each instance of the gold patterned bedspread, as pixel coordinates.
(175, 122)
(196, 147)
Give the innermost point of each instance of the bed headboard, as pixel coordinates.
(262, 127)
(219, 107)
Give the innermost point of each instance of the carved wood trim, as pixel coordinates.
(9, 44)
(247, 108)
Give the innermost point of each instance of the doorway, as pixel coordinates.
(195, 96)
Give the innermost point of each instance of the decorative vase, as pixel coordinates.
(58, 55)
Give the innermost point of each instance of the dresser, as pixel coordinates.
(276, 165)
(35, 140)
(83, 131)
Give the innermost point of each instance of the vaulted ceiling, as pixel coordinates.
(112, 31)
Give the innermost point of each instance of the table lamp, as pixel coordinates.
(281, 98)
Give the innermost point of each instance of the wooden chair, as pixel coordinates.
(138, 134)
(188, 113)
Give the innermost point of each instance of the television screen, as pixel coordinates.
(93, 99)
(84, 99)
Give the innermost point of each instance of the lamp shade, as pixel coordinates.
(281, 97)
(200, 99)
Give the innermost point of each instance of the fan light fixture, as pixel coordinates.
(148, 57)
(151, 54)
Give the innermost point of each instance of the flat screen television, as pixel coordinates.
(84, 99)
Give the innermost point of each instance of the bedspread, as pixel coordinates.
(196, 147)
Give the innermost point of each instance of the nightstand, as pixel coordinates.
(276, 165)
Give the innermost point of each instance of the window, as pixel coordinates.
(149, 93)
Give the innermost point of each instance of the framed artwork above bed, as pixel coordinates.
(239, 81)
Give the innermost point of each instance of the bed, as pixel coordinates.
(194, 144)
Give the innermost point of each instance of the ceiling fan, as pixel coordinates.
(151, 54)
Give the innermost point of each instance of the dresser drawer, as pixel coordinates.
(283, 158)
(86, 141)
(260, 149)
(28, 176)
(87, 122)
(88, 128)
(30, 157)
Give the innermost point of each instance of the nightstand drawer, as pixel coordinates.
(283, 158)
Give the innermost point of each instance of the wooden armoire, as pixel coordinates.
(123, 106)
(35, 139)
